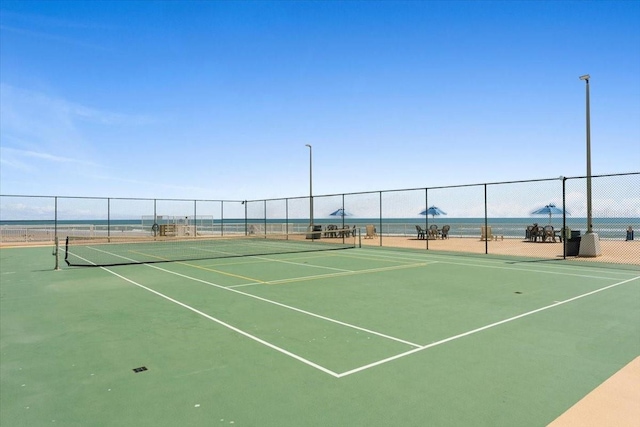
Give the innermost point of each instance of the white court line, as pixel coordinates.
(328, 275)
(279, 304)
(483, 328)
(302, 264)
(226, 325)
(484, 264)
(370, 365)
(220, 322)
(559, 264)
(308, 313)
(559, 273)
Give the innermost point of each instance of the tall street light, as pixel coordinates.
(310, 187)
(586, 78)
(590, 243)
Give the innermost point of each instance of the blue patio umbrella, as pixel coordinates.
(340, 212)
(433, 211)
(549, 209)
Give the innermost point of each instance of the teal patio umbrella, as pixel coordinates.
(549, 209)
(340, 212)
(433, 211)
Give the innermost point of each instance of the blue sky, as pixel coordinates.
(216, 100)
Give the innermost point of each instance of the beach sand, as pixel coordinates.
(612, 403)
(613, 251)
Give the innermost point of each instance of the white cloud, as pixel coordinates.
(35, 114)
(45, 135)
(35, 154)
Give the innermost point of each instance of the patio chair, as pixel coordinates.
(433, 231)
(485, 233)
(422, 233)
(371, 232)
(534, 233)
(445, 232)
(548, 233)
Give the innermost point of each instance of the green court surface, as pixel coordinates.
(356, 337)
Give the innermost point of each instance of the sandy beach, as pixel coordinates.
(619, 252)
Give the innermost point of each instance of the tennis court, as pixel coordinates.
(361, 337)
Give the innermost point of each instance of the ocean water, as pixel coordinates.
(607, 228)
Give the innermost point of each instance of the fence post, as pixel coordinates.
(380, 213)
(57, 253)
(343, 215)
(426, 216)
(55, 218)
(486, 223)
(246, 225)
(564, 218)
(222, 218)
(108, 217)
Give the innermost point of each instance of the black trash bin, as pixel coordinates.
(317, 232)
(629, 234)
(573, 243)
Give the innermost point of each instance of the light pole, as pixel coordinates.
(590, 243)
(586, 78)
(310, 187)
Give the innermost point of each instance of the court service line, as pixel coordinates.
(279, 304)
(224, 273)
(559, 273)
(300, 264)
(482, 328)
(395, 259)
(256, 259)
(328, 275)
(484, 265)
(252, 280)
(484, 262)
(226, 325)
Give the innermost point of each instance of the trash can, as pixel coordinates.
(573, 243)
(629, 233)
(316, 232)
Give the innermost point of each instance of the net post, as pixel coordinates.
(56, 252)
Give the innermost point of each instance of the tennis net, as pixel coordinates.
(86, 251)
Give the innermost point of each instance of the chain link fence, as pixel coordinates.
(492, 218)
